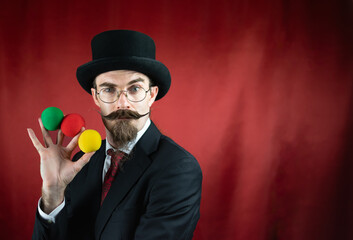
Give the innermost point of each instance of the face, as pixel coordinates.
(123, 80)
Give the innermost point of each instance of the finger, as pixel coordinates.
(34, 139)
(46, 136)
(60, 137)
(79, 164)
(73, 143)
(82, 129)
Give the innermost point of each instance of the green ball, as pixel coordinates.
(51, 118)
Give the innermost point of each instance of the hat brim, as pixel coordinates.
(155, 70)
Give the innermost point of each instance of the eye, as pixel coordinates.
(134, 89)
(107, 90)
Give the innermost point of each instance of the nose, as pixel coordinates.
(122, 102)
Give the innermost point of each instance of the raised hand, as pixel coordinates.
(56, 168)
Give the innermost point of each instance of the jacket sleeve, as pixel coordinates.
(48, 230)
(173, 209)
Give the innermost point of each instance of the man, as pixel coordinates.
(139, 184)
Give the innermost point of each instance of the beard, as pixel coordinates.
(119, 124)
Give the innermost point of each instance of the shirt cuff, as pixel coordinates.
(51, 216)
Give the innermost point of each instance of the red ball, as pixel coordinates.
(72, 124)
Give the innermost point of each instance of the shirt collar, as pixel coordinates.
(131, 144)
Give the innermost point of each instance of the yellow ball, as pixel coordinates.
(89, 141)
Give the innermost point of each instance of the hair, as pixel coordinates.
(152, 84)
(94, 84)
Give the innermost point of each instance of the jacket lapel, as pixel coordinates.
(128, 176)
(95, 183)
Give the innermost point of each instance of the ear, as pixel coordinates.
(153, 92)
(94, 96)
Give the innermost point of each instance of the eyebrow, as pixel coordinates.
(108, 84)
(136, 80)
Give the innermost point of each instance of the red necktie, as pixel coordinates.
(109, 176)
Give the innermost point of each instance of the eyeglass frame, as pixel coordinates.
(125, 93)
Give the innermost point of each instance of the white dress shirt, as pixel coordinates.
(51, 216)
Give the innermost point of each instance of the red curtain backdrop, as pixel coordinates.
(262, 95)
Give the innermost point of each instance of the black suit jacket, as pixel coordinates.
(156, 195)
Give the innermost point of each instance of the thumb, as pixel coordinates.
(79, 164)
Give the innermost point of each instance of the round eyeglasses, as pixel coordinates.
(133, 94)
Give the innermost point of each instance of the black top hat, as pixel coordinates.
(124, 50)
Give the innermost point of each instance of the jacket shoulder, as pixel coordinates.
(171, 153)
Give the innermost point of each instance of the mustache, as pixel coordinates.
(123, 114)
